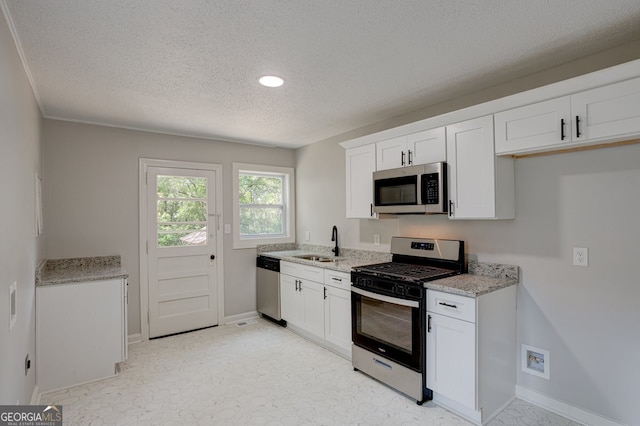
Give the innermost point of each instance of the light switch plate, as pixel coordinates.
(12, 304)
(227, 228)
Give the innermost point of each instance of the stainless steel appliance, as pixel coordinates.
(388, 311)
(268, 288)
(415, 189)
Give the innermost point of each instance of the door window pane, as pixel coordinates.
(181, 211)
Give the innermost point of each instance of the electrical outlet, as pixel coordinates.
(376, 239)
(580, 256)
(307, 236)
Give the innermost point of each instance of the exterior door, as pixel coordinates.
(182, 232)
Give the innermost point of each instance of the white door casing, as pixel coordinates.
(181, 287)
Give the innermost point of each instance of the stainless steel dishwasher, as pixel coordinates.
(268, 288)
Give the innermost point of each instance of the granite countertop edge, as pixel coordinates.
(482, 277)
(52, 272)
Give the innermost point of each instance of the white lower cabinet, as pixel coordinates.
(451, 360)
(316, 303)
(81, 332)
(471, 352)
(337, 312)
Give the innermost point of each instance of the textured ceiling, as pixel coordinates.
(191, 67)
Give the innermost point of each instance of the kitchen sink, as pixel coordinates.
(316, 258)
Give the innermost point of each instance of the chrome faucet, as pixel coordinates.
(334, 237)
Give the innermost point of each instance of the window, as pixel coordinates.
(263, 205)
(181, 211)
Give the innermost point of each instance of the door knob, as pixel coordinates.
(213, 256)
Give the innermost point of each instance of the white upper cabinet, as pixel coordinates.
(424, 147)
(608, 113)
(361, 163)
(392, 153)
(534, 127)
(481, 186)
(602, 115)
(427, 147)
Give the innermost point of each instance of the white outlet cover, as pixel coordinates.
(580, 256)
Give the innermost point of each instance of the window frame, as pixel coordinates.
(288, 175)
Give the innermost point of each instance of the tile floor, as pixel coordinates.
(257, 374)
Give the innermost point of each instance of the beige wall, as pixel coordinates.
(91, 198)
(20, 250)
(586, 317)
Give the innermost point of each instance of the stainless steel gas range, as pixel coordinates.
(388, 311)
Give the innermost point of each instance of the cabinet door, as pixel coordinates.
(313, 302)
(79, 331)
(451, 359)
(607, 112)
(426, 147)
(535, 127)
(392, 153)
(471, 160)
(361, 163)
(337, 317)
(291, 306)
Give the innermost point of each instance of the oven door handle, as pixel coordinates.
(388, 299)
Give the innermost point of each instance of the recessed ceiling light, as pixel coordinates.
(271, 81)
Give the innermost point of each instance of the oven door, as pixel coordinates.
(388, 326)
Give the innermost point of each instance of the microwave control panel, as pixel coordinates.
(430, 189)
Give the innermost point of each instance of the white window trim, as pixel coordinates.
(290, 214)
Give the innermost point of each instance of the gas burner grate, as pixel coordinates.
(406, 271)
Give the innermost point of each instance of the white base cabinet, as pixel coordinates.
(81, 332)
(316, 303)
(471, 352)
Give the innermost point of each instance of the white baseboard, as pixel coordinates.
(35, 396)
(134, 338)
(241, 317)
(569, 411)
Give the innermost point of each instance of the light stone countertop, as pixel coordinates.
(81, 269)
(482, 278)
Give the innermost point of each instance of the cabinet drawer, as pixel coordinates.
(451, 305)
(299, 270)
(337, 279)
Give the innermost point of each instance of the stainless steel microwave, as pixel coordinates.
(411, 190)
